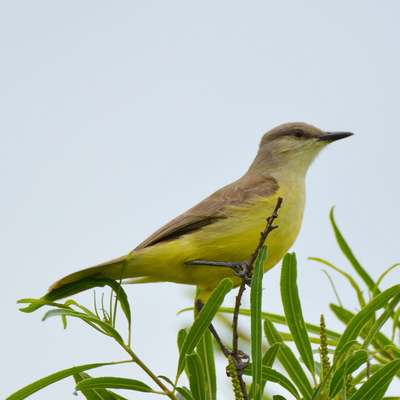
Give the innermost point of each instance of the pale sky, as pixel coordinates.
(118, 116)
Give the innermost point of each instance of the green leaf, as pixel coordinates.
(381, 343)
(349, 254)
(357, 323)
(349, 278)
(381, 321)
(346, 368)
(366, 372)
(375, 387)
(58, 376)
(341, 313)
(272, 335)
(269, 374)
(278, 397)
(166, 379)
(184, 392)
(256, 323)
(280, 319)
(375, 291)
(289, 361)
(293, 311)
(202, 322)
(110, 382)
(268, 360)
(182, 334)
(206, 352)
(196, 376)
(98, 394)
(76, 287)
(107, 329)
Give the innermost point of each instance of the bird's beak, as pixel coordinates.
(332, 136)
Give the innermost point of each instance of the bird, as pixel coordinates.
(225, 226)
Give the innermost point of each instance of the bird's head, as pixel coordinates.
(292, 147)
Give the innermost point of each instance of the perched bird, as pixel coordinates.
(226, 225)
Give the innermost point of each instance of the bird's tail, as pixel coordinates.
(111, 269)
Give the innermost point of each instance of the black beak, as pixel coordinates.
(332, 136)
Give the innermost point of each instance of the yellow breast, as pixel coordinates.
(233, 238)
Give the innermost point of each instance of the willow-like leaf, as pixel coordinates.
(106, 328)
(349, 254)
(288, 361)
(375, 290)
(348, 366)
(381, 321)
(375, 387)
(206, 352)
(184, 392)
(293, 312)
(76, 287)
(346, 275)
(269, 374)
(110, 382)
(256, 323)
(48, 380)
(280, 319)
(357, 323)
(196, 376)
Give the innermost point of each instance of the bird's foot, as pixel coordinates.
(240, 268)
(240, 360)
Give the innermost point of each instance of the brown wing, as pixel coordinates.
(211, 209)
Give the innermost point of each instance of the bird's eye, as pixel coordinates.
(298, 134)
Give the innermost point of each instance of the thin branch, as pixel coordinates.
(241, 359)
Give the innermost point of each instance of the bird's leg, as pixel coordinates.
(240, 268)
(240, 359)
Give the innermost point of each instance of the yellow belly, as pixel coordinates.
(231, 239)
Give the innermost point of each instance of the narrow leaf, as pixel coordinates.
(79, 286)
(269, 374)
(256, 323)
(346, 368)
(349, 278)
(350, 256)
(271, 333)
(288, 361)
(98, 394)
(280, 319)
(196, 376)
(268, 360)
(58, 376)
(182, 334)
(186, 395)
(381, 321)
(375, 387)
(293, 311)
(106, 328)
(206, 352)
(357, 323)
(113, 383)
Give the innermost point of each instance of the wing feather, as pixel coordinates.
(211, 209)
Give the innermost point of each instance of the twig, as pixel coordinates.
(243, 269)
(237, 355)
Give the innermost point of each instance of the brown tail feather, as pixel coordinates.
(111, 269)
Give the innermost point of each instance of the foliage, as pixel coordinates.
(360, 365)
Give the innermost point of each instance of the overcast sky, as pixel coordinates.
(118, 116)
